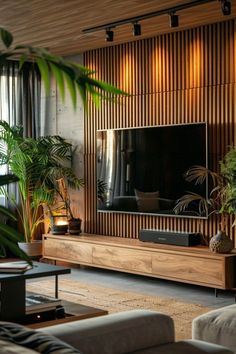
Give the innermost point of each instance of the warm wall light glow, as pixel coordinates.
(195, 62)
(127, 73)
(160, 54)
(155, 67)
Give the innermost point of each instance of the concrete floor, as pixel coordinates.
(152, 286)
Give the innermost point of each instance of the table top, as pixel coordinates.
(39, 270)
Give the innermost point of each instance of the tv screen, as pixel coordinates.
(141, 170)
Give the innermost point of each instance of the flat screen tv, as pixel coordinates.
(141, 170)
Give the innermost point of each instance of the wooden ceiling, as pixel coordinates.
(58, 24)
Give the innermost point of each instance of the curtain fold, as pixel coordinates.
(20, 97)
(20, 104)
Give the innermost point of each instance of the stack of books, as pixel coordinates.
(14, 267)
(40, 303)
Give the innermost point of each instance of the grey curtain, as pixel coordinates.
(20, 102)
(20, 97)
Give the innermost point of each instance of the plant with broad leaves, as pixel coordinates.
(206, 206)
(9, 236)
(66, 73)
(77, 77)
(38, 164)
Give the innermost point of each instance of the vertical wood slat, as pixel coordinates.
(181, 77)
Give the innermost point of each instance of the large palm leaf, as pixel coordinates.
(76, 77)
(205, 205)
(9, 236)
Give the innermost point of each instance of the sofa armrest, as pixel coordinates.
(118, 333)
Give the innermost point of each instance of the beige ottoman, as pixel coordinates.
(217, 326)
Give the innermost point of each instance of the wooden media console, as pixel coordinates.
(194, 265)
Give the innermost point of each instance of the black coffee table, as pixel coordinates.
(13, 289)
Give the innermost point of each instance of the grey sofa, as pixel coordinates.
(217, 326)
(137, 332)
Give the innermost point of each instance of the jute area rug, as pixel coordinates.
(115, 300)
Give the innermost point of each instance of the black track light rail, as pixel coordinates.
(169, 10)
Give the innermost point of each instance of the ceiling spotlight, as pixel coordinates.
(226, 7)
(174, 20)
(109, 35)
(136, 29)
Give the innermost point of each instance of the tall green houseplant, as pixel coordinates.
(38, 164)
(77, 78)
(228, 171)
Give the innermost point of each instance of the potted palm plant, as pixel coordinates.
(38, 164)
(221, 199)
(66, 73)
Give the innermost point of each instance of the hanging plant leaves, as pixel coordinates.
(6, 37)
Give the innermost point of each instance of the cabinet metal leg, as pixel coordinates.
(56, 286)
(216, 292)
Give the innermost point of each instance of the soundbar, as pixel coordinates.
(177, 238)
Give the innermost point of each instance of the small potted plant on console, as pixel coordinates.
(62, 213)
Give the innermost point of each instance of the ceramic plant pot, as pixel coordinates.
(221, 243)
(74, 226)
(59, 229)
(32, 249)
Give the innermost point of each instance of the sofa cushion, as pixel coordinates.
(123, 332)
(217, 326)
(7, 347)
(37, 341)
(186, 347)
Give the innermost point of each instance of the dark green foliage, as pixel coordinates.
(38, 164)
(222, 196)
(76, 77)
(9, 237)
(6, 37)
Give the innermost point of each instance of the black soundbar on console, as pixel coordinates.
(177, 238)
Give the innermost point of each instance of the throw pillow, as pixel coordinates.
(147, 201)
(7, 347)
(37, 341)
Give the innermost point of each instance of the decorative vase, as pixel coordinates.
(74, 226)
(221, 243)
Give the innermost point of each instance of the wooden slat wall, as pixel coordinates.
(182, 77)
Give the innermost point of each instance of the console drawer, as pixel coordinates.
(122, 258)
(188, 268)
(72, 251)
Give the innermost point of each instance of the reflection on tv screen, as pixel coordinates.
(141, 170)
